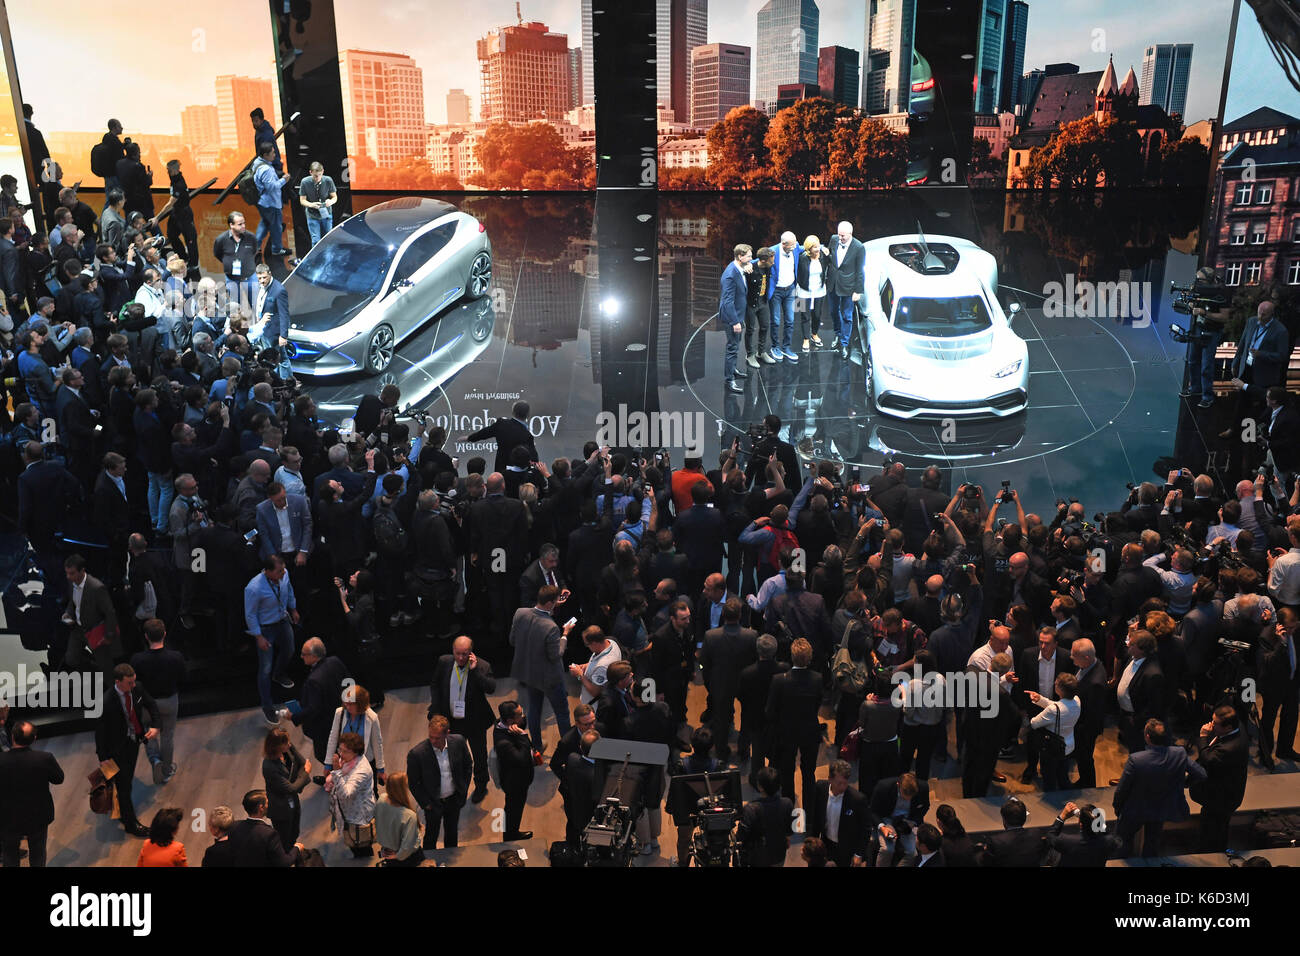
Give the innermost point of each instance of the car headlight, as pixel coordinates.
(1011, 369)
(895, 372)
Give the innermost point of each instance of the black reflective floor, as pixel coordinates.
(605, 302)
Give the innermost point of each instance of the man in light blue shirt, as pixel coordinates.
(270, 203)
(269, 607)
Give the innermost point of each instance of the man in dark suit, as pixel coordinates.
(76, 425)
(47, 494)
(732, 304)
(1086, 847)
(838, 815)
(439, 771)
(321, 694)
(803, 613)
(844, 282)
(1279, 683)
(1150, 791)
(1282, 426)
(1139, 689)
(765, 823)
(752, 689)
(901, 796)
(699, 533)
(1224, 752)
(515, 768)
(792, 705)
(27, 809)
(498, 533)
(929, 847)
(538, 662)
(121, 728)
(616, 705)
(508, 433)
(1091, 675)
(111, 512)
(1261, 359)
(460, 685)
(545, 570)
(93, 637)
(271, 306)
(254, 842)
(270, 539)
(727, 651)
(579, 788)
(1014, 846)
(1036, 673)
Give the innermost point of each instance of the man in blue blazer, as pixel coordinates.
(271, 304)
(279, 511)
(1150, 792)
(785, 266)
(731, 313)
(844, 283)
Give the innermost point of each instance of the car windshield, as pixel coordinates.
(352, 260)
(942, 318)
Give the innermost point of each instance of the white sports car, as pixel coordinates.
(936, 340)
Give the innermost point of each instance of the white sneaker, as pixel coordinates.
(767, 359)
(752, 361)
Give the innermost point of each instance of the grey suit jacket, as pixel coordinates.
(536, 639)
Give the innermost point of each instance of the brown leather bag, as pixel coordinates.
(101, 794)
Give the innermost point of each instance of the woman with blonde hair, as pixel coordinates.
(397, 825)
(810, 291)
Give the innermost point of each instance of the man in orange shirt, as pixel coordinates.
(684, 479)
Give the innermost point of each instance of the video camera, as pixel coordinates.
(717, 801)
(1210, 296)
(610, 838)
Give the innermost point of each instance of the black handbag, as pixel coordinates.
(1051, 745)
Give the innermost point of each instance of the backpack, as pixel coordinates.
(781, 538)
(247, 186)
(390, 536)
(101, 163)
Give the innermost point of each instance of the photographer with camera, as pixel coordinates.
(1209, 313)
(766, 443)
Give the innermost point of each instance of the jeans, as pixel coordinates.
(274, 661)
(161, 748)
(733, 352)
(271, 221)
(318, 227)
(161, 493)
(843, 309)
(242, 290)
(758, 321)
(782, 317)
(1200, 366)
(533, 707)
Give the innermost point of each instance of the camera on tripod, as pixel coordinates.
(622, 767)
(717, 801)
(1201, 294)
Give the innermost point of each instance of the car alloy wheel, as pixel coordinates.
(379, 350)
(480, 276)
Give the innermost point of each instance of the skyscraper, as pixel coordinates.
(525, 74)
(680, 26)
(837, 74)
(719, 81)
(1165, 67)
(1013, 55)
(787, 47)
(988, 55)
(575, 77)
(383, 105)
(237, 96)
(457, 108)
(201, 126)
(588, 68)
(887, 63)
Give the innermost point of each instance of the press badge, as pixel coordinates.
(458, 709)
(237, 268)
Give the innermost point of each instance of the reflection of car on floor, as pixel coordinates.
(923, 440)
(427, 361)
(935, 338)
(920, 102)
(377, 278)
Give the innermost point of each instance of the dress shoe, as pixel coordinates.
(1209, 404)
(519, 837)
(734, 386)
(844, 352)
(159, 773)
(1186, 394)
(285, 683)
(767, 359)
(1114, 781)
(479, 794)
(999, 777)
(1027, 776)
(1006, 753)
(1287, 755)
(738, 373)
(752, 361)
(138, 831)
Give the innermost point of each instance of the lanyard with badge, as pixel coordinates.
(458, 705)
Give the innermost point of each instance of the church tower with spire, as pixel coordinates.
(1107, 92)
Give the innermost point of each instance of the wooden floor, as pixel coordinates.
(219, 759)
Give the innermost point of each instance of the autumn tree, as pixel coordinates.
(1185, 162)
(881, 154)
(521, 157)
(983, 165)
(799, 140)
(737, 148)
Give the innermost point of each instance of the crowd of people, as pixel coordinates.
(181, 497)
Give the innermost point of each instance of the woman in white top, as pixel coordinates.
(356, 717)
(351, 789)
(810, 290)
(1058, 717)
